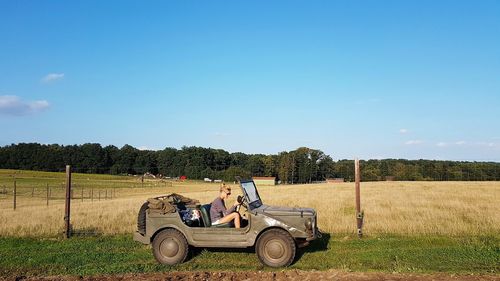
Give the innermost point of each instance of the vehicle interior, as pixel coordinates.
(249, 201)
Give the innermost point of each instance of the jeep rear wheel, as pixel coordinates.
(170, 247)
(275, 248)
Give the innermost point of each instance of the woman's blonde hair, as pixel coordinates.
(225, 188)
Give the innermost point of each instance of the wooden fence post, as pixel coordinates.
(82, 194)
(47, 195)
(67, 208)
(15, 194)
(359, 214)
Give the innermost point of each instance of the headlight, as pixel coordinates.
(309, 224)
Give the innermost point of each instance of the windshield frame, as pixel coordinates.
(256, 203)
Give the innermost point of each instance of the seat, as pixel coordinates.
(205, 214)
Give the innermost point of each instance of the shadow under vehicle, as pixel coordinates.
(275, 232)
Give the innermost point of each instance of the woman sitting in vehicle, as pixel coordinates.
(218, 212)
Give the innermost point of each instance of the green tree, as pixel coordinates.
(232, 172)
(269, 162)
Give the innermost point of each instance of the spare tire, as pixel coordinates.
(141, 218)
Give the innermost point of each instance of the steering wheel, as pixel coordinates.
(240, 200)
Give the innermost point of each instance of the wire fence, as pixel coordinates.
(22, 192)
(31, 191)
(24, 196)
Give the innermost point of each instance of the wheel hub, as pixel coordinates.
(169, 248)
(275, 249)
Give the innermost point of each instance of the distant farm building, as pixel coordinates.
(335, 180)
(264, 180)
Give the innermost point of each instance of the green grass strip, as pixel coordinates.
(119, 254)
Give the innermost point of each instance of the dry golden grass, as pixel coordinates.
(415, 208)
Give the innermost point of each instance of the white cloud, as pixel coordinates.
(51, 77)
(488, 144)
(460, 142)
(413, 142)
(442, 144)
(143, 147)
(13, 105)
(403, 131)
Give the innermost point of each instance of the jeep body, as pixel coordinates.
(275, 232)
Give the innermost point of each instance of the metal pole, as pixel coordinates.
(15, 194)
(47, 194)
(359, 214)
(32, 191)
(68, 202)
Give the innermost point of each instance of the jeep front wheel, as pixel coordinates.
(170, 247)
(275, 248)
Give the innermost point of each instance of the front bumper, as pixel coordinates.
(316, 233)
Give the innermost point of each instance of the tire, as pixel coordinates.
(276, 248)
(141, 219)
(170, 247)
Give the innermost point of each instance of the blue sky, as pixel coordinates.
(368, 79)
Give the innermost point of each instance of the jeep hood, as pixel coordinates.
(286, 211)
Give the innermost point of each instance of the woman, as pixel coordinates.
(218, 212)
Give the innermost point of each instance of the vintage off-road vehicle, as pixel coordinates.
(276, 232)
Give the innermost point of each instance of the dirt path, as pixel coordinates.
(268, 276)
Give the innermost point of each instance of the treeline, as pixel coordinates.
(303, 165)
(419, 170)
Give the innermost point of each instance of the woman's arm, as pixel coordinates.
(227, 212)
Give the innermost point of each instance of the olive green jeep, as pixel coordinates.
(276, 232)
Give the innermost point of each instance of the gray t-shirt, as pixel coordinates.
(218, 210)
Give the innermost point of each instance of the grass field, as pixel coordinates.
(401, 208)
(119, 254)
